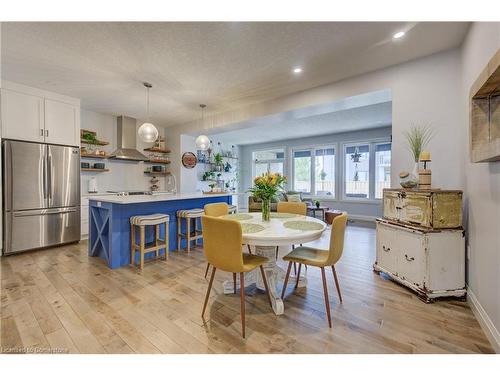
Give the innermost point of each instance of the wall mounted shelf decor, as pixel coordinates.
(485, 114)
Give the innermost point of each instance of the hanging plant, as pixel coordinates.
(356, 156)
(322, 175)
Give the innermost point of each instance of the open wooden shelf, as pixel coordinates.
(157, 149)
(158, 161)
(93, 156)
(94, 169)
(99, 143)
(157, 173)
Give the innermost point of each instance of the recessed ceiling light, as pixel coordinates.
(297, 70)
(399, 35)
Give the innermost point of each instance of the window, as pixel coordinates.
(382, 168)
(314, 171)
(357, 171)
(302, 171)
(324, 169)
(268, 161)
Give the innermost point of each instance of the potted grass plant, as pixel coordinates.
(418, 137)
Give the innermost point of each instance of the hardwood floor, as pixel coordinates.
(62, 300)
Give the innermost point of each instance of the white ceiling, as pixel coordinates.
(225, 65)
(359, 118)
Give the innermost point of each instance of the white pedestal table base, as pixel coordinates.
(275, 275)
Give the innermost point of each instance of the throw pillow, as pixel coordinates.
(293, 198)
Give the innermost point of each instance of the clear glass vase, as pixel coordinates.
(266, 209)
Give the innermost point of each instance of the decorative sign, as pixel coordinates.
(189, 160)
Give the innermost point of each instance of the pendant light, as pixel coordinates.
(202, 141)
(147, 131)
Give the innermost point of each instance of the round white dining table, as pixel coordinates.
(265, 236)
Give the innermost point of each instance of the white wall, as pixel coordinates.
(123, 175)
(426, 90)
(188, 176)
(482, 191)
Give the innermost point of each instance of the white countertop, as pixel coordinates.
(156, 197)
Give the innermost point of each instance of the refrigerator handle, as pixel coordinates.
(44, 176)
(8, 175)
(49, 176)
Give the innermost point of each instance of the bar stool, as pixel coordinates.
(142, 222)
(232, 209)
(196, 234)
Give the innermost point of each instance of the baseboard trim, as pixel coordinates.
(361, 217)
(484, 320)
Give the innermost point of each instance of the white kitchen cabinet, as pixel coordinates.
(22, 116)
(36, 115)
(429, 261)
(62, 123)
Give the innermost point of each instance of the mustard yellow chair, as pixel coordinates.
(321, 258)
(217, 210)
(298, 208)
(222, 240)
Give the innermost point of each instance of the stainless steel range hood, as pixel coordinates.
(126, 141)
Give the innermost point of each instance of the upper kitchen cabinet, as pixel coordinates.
(22, 116)
(36, 115)
(62, 123)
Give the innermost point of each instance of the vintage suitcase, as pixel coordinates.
(438, 209)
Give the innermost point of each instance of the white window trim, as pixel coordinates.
(267, 161)
(312, 149)
(371, 178)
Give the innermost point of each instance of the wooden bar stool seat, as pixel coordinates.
(193, 234)
(156, 245)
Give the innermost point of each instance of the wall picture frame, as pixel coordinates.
(189, 160)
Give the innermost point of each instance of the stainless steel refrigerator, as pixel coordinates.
(41, 195)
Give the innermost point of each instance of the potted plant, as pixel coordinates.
(208, 176)
(417, 137)
(91, 139)
(267, 187)
(317, 203)
(218, 162)
(356, 156)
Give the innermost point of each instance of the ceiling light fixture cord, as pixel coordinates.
(148, 86)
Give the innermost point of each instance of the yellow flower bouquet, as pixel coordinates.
(266, 187)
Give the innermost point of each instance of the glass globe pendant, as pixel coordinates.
(147, 131)
(202, 141)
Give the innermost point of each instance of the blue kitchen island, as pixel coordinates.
(109, 221)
